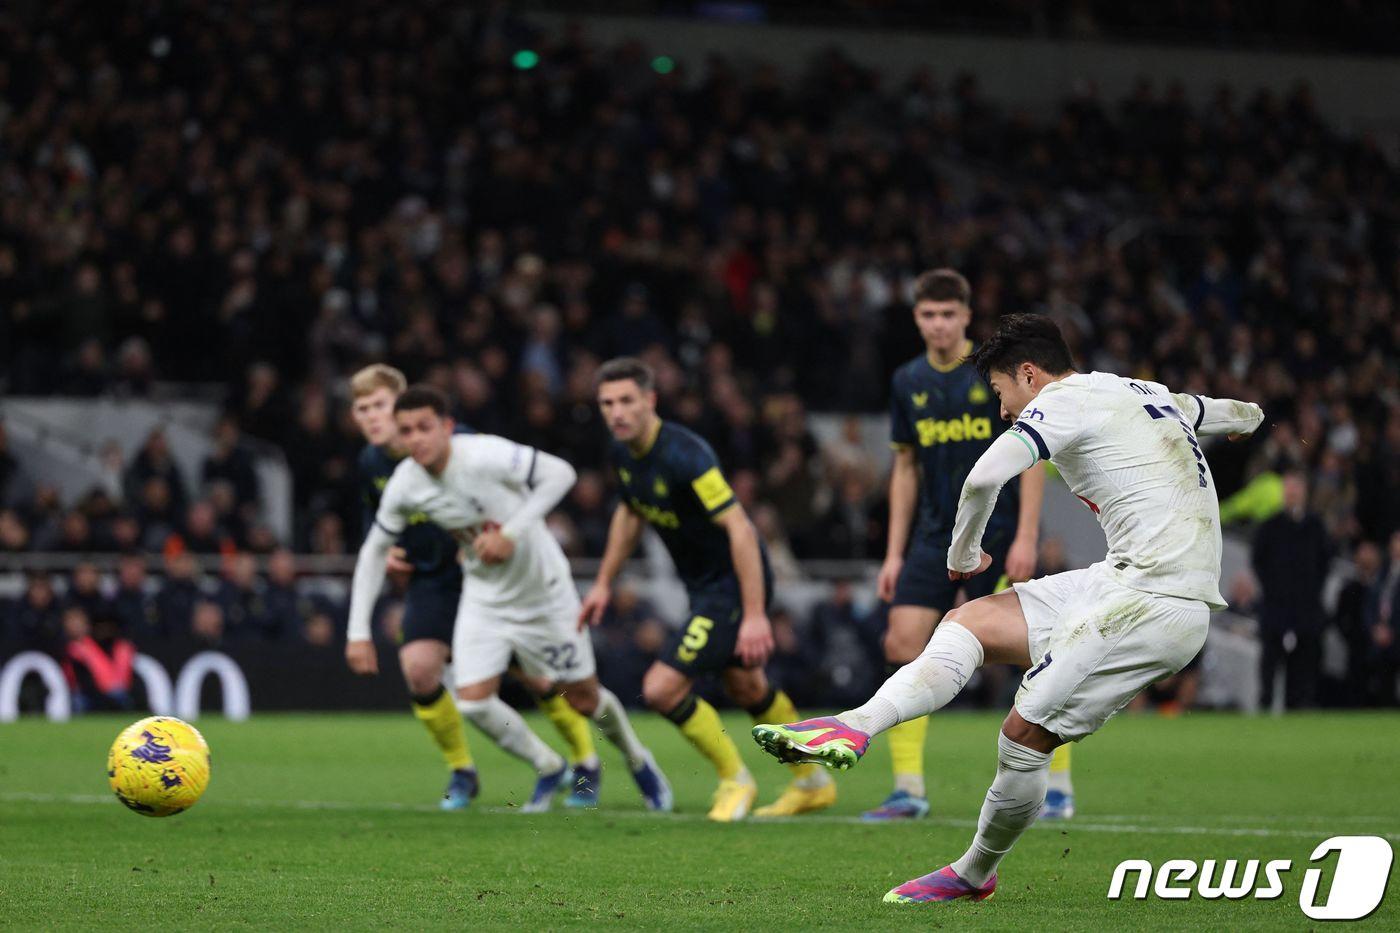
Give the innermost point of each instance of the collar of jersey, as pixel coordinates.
(651, 442)
(967, 351)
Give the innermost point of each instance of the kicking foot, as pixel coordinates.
(461, 790)
(824, 741)
(942, 885)
(899, 805)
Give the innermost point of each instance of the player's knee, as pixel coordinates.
(422, 679)
(746, 690)
(479, 694)
(1028, 734)
(901, 646)
(583, 697)
(662, 693)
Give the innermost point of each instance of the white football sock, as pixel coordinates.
(925, 684)
(612, 720)
(1013, 803)
(496, 718)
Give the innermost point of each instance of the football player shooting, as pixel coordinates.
(426, 556)
(1092, 638)
(942, 418)
(518, 598)
(671, 479)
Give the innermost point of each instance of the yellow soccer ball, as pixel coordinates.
(159, 766)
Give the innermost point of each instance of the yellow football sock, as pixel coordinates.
(907, 754)
(1059, 770)
(572, 725)
(780, 709)
(444, 724)
(699, 722)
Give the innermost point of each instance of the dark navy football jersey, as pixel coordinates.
(949, 417)
(679, 488)
(430, 548)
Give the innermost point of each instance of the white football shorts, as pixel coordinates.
(547, 643)
(1095, 644)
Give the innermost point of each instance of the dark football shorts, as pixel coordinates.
(430, 606)
(924, 579)
(706, 643)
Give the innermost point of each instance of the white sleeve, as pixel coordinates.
(1008, 456)
(544, 478)
(1218, 415)
(1051, 422)
(368, 581)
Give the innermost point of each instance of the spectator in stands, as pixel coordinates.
(201, 533)
(132, 606)
(854, 657)
(232, 462)
(14, 535)
(1291, 556)
(207, 624)
(242, 598)
(178, 594)
(97, 661)
(85, 591)
(1383, 618)
(627, 642)
(154, 461)
(156, 513)
(74, 535)
(36, 621)
(284, 609)
(15, 485)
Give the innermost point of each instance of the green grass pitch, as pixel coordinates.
(331, 822)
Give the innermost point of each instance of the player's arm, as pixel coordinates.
(624, 531)
(904, 497)
(1057, 423)
(1210, 416)
(397, 561)
(1021, 557)
(543, 478)
(364, 590)
(755, 641)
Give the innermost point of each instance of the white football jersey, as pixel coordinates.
(1128, 449)
(485, 481)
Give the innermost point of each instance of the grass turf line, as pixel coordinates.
(321, 821)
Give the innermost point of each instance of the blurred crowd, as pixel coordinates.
(269, 195)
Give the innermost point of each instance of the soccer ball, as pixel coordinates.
(159, 766)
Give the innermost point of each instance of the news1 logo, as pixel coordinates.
(1358, 880)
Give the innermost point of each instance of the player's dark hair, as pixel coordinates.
(422, 396)
(627, 367)
(942, 285)
(1023, 338)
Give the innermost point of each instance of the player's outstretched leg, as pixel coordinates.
(811, 788)
(494, 716)
(1059, 795)
(1012, 804)
(917, 689)
(910, 627)
(422, 661)
(667, 691)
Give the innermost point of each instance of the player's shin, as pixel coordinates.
(1012, 804)
(573, 726)
(613, 721)
(496, 718)
(700, 723)
(440, 717)
(907, 741)
(927, 683)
